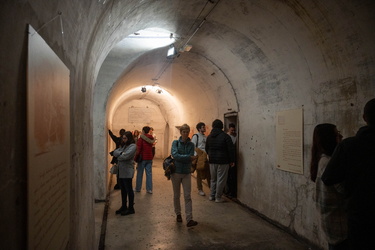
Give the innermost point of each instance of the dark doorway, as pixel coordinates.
(231, 124)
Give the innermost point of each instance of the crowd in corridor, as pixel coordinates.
(342, 170)
(210, 157)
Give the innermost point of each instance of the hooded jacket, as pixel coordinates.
(219, 147)
(144, 148)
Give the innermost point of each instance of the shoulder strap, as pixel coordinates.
(196, 145)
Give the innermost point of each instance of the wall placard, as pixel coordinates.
(289, 140)
(141, 115)
(48, 147)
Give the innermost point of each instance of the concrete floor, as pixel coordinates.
(153, 226)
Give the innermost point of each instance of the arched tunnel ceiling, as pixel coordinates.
(189, 78)
(266, 49)
(241, 41)
(192, 72)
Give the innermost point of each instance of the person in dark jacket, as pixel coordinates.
(353, 163)
(118, 142)
(221, 156)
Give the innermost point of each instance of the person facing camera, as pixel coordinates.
(125, 162)
(183, 153)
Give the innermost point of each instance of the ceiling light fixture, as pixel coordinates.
(159, 91)
(171, 52)
(143, 90)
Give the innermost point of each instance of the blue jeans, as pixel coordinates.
(144, 165)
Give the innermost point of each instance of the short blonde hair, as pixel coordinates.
(184, 127)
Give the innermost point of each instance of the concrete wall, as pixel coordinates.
(271, 55)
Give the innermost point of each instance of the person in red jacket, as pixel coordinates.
(144, 158)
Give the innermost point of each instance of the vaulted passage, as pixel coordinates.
(243, 61)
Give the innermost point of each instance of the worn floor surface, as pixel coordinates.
(225, 225)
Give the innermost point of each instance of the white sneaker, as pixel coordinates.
(219, 200)
(211, 198)
(149, 191)
(200, 192)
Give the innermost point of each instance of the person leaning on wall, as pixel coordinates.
(353, 163)
(330, 200)
(118, 143)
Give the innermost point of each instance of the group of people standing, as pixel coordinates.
(132, 147)
(212, 157)
(218, 149)
(344, 173)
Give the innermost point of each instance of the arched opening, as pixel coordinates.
(187, 88)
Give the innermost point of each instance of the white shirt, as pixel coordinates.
(201, 143)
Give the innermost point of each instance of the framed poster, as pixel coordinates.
(289, 140)
(48, 147)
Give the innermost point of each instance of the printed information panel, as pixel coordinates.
(48, 147)
(140, 115)
(289, 140)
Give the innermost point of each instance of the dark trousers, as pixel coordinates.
(341, 246)
(126, 191)
(232, 182)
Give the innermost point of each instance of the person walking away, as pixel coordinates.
(183, 154)
(125, 158)
(144, 150)
(221, 155)
(118, 143)
(353, 163)
(202, 168)
(330, 200)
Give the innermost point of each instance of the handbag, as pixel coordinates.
(169, 167)
(114, 169)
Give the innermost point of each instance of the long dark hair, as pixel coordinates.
(324, 142)
(130, 137)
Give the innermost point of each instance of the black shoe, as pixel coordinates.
(191, 223)
(127, 212)
(117, 186)
(179, 218)
(121, 210)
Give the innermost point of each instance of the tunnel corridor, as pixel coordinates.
(245, 61)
